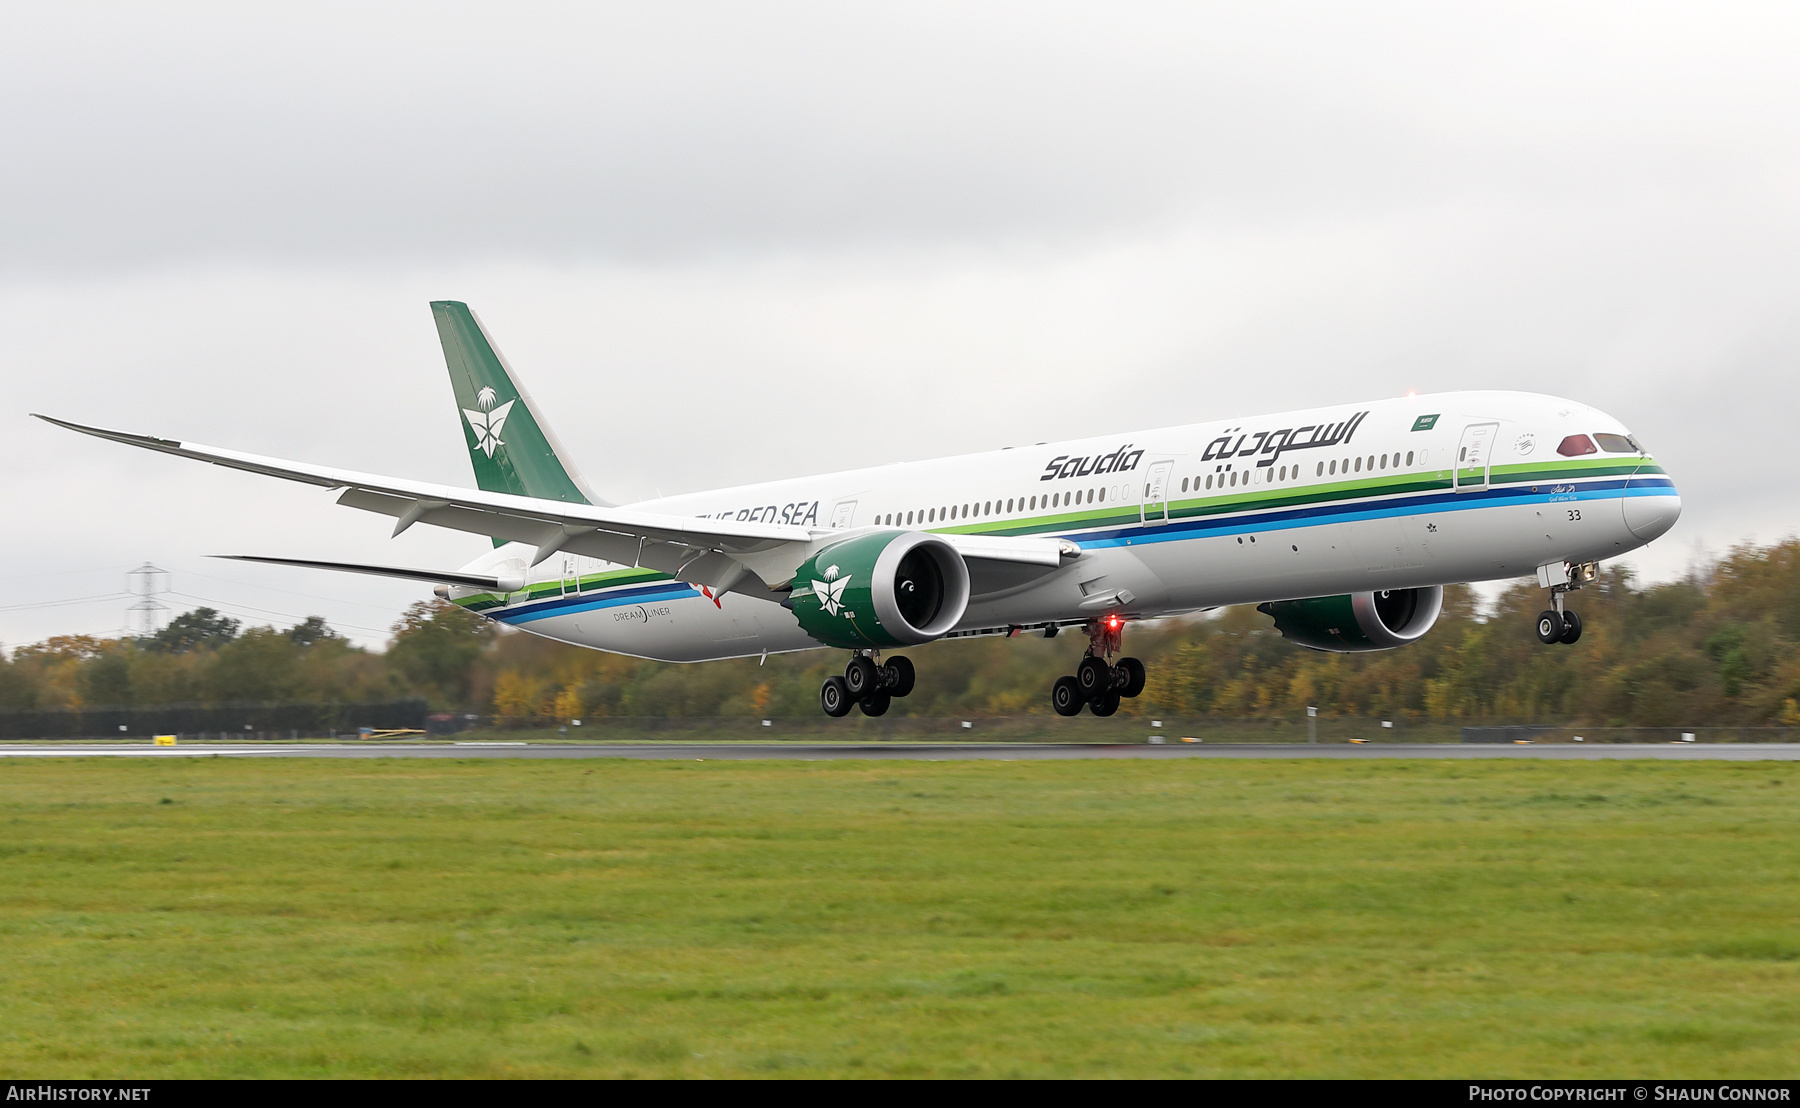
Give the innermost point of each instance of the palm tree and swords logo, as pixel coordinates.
(831, 590)
(487, 423)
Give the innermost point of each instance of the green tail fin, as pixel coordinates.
(510, 444)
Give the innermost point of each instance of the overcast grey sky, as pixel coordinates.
(726, 242)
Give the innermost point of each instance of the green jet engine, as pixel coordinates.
(1358, 620)
(887, 588)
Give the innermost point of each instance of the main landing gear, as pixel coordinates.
(1557, 624)
(1098, 683)
(867, 683)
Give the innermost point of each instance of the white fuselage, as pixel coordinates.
(1417, 491)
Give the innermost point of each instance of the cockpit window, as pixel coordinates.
(1617, 444)
(1575, 446)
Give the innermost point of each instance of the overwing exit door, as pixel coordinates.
(1474, 456)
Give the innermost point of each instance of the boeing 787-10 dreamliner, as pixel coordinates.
(1343, 524)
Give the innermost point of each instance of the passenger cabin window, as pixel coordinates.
(1409, 455)
(1616, 444)
(1574, 446)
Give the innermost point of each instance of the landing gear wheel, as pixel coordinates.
(1092, 677)
(897, 675)
(876, 705)
(860, 677)
(835, 698)
(1066, 698)
(1134, 677)
(1571, 628)
(1105, 704)
(1549, 627)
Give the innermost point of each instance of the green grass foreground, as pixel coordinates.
(221, 917)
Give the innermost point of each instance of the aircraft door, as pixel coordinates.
(842, 513)
(571, 576)
(1474, 456)
(1153, 508)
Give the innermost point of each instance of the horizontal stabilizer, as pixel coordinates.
(441, 577)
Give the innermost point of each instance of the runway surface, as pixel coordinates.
(931, 752)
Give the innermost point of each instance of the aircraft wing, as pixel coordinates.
(713, 552)
(692, 549)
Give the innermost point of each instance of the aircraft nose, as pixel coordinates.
(1650, 517)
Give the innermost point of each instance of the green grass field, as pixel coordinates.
(220, 917)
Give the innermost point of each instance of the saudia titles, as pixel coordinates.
(1265, 446)
(1118, 461)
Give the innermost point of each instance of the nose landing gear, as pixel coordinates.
(1557, 624)
(866, 684)
(1098, 683)
(1553, 627)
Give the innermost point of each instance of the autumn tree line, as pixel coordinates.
(1719, 647)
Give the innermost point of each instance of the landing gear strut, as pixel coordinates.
(868, 684)
(1557, 624)
(1099, 683)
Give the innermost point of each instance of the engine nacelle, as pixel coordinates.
(1359, 620)
(888, 588)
